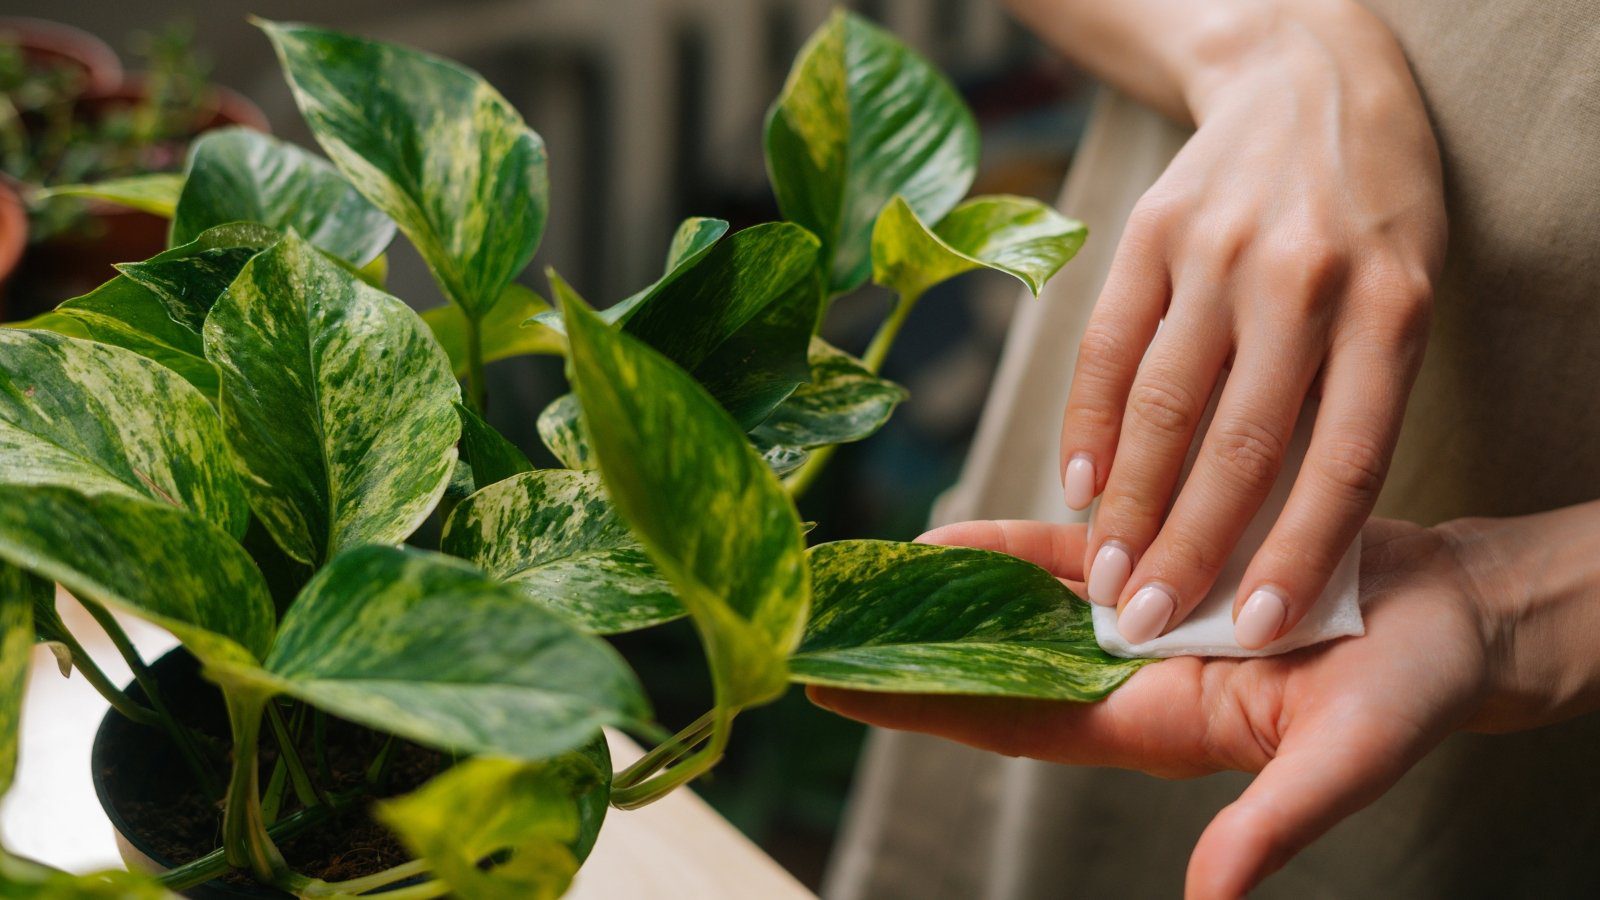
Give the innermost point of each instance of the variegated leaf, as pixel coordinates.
(861, 119)
(843, 402)
(919, 618)
(21, 878)
(432, 145)
(561, 429)
(155, 193)
(428, 647)
(188, 279)
(555, 536)
(1016, 235)
(491, 457)
(510, 328)
(739, 318)
(162, 564)
(712, 516)
(336, 401)
(129, 315)
(242, 175)
(20, 594)
(693, 239)
(500, 829)
(100, 419)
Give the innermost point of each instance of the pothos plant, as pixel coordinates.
(234, 438)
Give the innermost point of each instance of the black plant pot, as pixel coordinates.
(131, 762)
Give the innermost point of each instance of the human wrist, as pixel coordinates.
(1535, 581)
(1336, 45)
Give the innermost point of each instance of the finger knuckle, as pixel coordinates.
(1151, 217)
(1189, 553)
(1164, 407)
(1354, 465)
(1248, 452)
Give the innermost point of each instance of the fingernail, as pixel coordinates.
(1078, 485)
(1112, 566)
(1146, 614)
(1259, 619)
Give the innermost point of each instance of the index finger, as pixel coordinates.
(1056, 548)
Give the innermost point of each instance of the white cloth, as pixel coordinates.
(1208, 631)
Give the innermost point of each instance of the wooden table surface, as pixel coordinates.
(676, 848)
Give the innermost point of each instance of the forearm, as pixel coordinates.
(1173, 54)
(1539, 579)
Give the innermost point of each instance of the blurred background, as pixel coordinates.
(652, 112)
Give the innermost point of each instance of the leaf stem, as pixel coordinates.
(308, 792)
(804, 477)
(319, 888)
(637, 786)
(215, 863)
(424, 891)
(188, 747)
(878, 350)
(245, 840)
(477, 391)
(98, 679)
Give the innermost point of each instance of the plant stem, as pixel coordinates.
(97, 679)
(188, 748)
(245, 840)
(804, 477)
(307, 792)
(635, 791)
(215, 863)
(424, 891)
(887, 332)
(319, 744)
(318, 888)
(477, 391)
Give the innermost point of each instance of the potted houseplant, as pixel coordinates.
(60, 128)
(232, 439)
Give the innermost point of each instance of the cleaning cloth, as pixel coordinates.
(1208, 631)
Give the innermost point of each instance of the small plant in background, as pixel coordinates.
(52, 133)
(232, 439)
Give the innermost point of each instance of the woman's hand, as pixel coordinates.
(1292, 243)
(1485, 625)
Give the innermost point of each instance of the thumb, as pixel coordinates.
(1324, 775)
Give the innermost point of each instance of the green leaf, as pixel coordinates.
(491, 456)
(155, 193)
(20, 594)
(500, 829)
(337, 403)
(432, 145)
(427, 647)
(99, 419)
(507, 329)
(739, 318)
(843, 402)
(23, 878)
(690, 243)
(561, 430)
(242, 175)
(861, 119)
(1016, 235)
(556, 537)
(126, 314)
(711, 515)
(918, 618)
(153, 561)
(188, 279)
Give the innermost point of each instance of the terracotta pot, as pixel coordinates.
(70, 266)
(13, 237)
(47, 43)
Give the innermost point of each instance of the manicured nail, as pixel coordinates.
(1146, 614)
(1078, 485)
(1110, 571)
(1259, 619)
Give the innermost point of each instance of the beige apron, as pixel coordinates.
(1504, 420)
